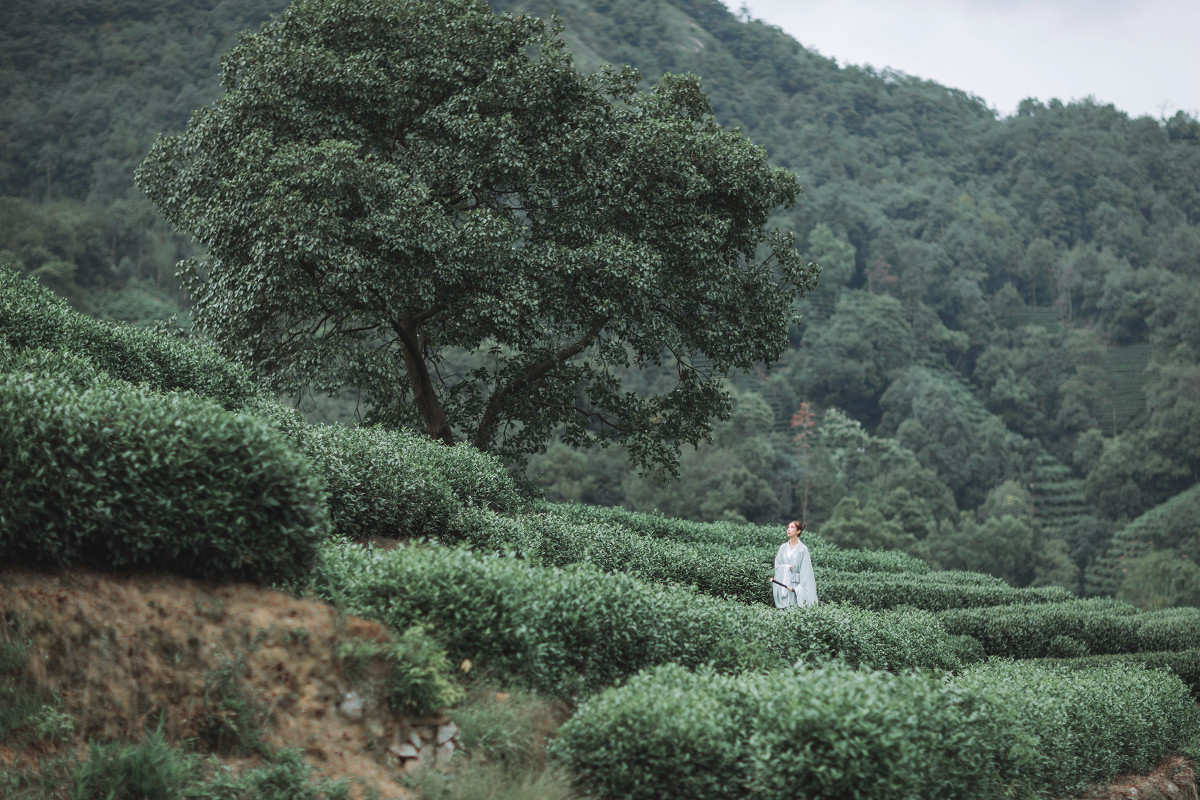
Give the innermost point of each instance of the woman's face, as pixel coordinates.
(793, 530)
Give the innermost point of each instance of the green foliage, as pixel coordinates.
(232, 721)
(153, 769)
(1167, 535)
(32, 317)
(148, 770)
(574, 629)
(765, 539)
(420, 679)
(394, 484)
(1161, 579)
(118, 476)
(1001, 546)
(1183, 663)
(936, 591)
(25, 711)
(875, 580)
(375, 193)
(827, 732)
(508, 728)
(1094, 626)
(852, 525)
(1077, 727)
(284, 776)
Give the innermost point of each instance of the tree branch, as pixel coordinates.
(529, 375)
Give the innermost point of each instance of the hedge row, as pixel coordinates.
(574, 629)
(33, 317)
(394, 484)
(119, 476)
(1076, 727)
(1081, 627)
(1183, 663)
(737, 573)
(1000, 730)
(717, 570)
(761, 539)
(931, 592)
(813, 733)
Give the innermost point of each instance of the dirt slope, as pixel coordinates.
(124, 651)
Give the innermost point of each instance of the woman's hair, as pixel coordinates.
(799, 525)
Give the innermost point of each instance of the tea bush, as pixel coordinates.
(574, 629)
(733, 572)
(827, 732)
(1085, 725)
(32, 317)
(394, 484)
(763, 540)
(420, 681)
(119, 476)
(1096, 626)
(718, 570)
(934, 591)
(1169, 629)
(1183, 663)
(1001, 729)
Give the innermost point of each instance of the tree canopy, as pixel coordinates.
(386, 186)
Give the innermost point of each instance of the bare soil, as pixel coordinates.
(126, 651)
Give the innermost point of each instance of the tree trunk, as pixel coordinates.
(437, 427)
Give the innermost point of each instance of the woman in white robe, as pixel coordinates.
(793, 569)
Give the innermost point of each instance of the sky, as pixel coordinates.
(1141, 56)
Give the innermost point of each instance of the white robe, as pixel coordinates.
(794, 568)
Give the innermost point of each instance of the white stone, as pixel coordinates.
(446, 732)
(351, 707)
(404, 751)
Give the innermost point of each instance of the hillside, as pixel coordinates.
(1002, 299)
(233, 664)
(988, 419)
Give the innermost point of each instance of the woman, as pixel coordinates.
(793, 569)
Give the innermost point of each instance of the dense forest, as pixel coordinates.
(999, 370)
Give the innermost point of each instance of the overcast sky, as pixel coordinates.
(1141, 56)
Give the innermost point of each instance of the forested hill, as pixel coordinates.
(998, 372)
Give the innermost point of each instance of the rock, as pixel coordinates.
(351, 707)
(446, 732)
(404, 751)
(414, 739)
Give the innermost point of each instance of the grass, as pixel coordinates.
(503, 735)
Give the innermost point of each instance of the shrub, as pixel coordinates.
(118, 476)
(1084, 725)
(717, 570)
(1169, 629)
(419, 677)
(1002, 729)
(761, 539)
(571, 630)
(933, 591)
(1183, 663)
(967, 648)
(32, 317)
(1096, 625)
(824, 732)
(148, 770)
(394, 484)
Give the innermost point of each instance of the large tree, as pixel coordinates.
(426, 202)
